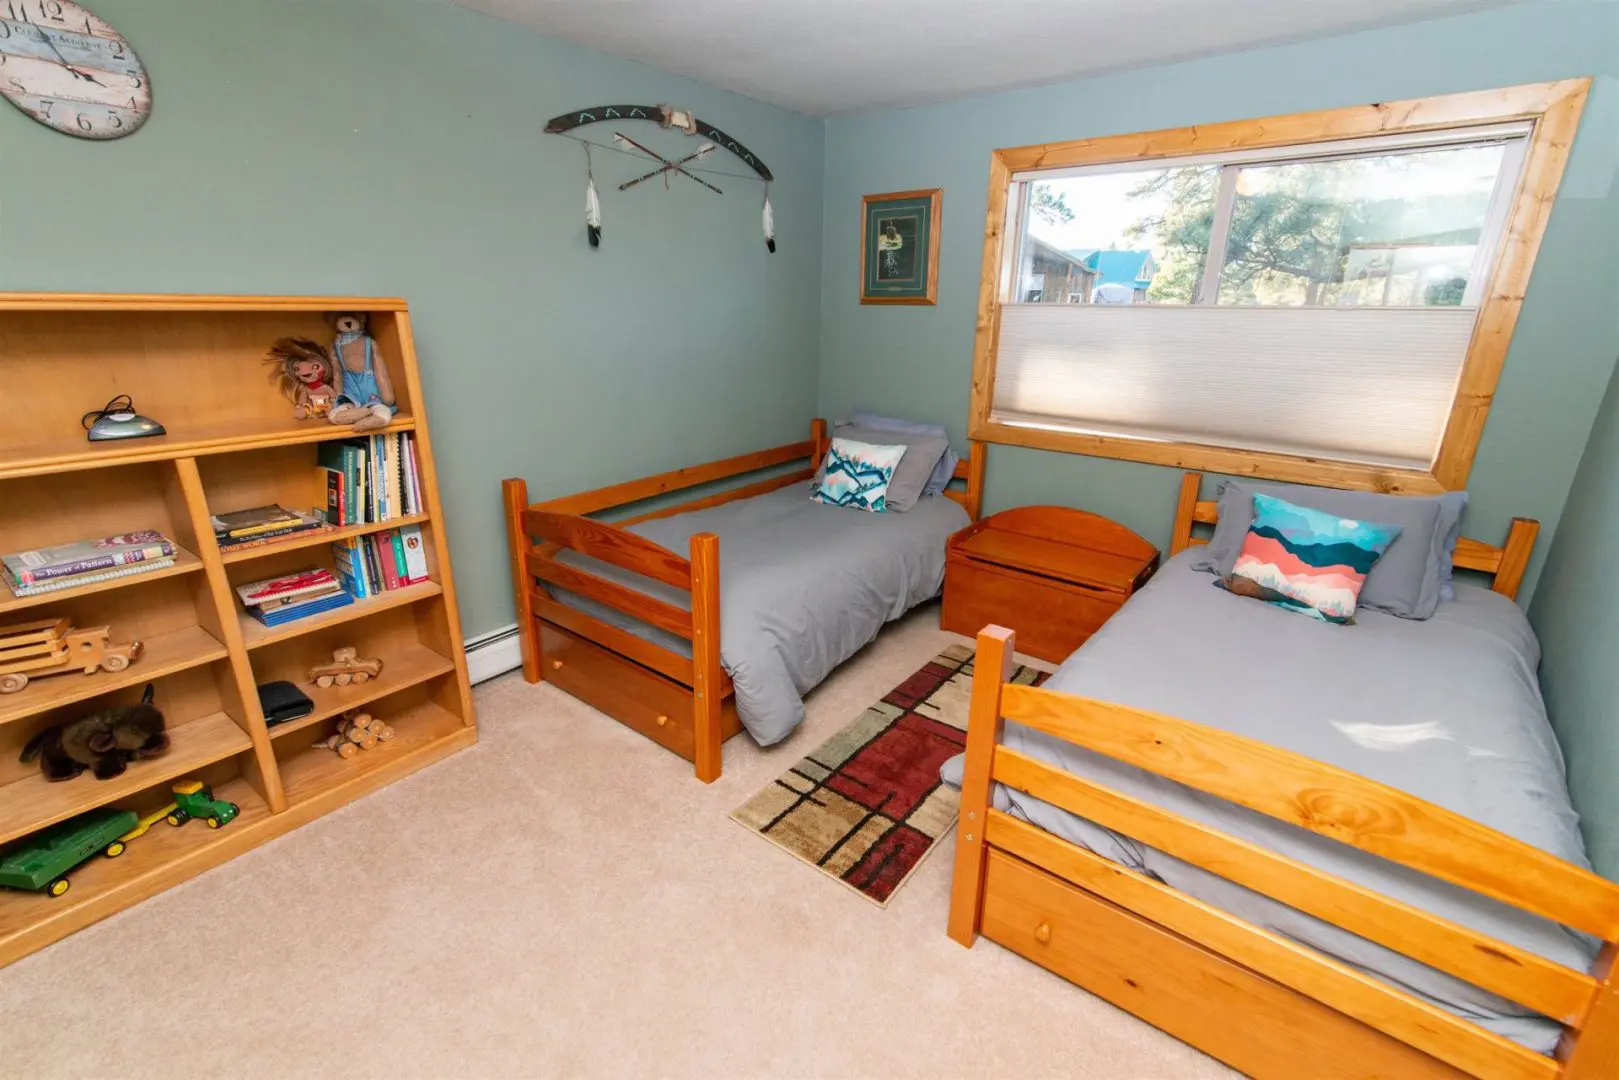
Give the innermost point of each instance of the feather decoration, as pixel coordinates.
(593, 214)
(770, 223)
(593, 205)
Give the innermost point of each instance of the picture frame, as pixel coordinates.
(899, 247)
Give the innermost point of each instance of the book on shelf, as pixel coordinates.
(286, 523)
(91, 577)
(304, 582)
(371, 479)
(279, 616)
(84, 556)
(410, 538)
(254, 519)
(380, 562)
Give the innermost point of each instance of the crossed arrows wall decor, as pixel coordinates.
(667, 117)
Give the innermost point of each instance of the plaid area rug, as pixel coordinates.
(867, 805)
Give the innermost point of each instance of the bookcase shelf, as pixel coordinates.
(184, 563)
(406, 667)
(256, 635)
(32, 802)
(311, 772)
(195, 363)
(293, 543)
(68, 452)
(152, 863)
(160, 655)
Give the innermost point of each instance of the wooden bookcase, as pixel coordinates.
(195, 364)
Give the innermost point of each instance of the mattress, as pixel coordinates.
(1447, 709)
(803, 587)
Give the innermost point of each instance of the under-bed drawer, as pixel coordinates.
(1183, 988)
(658, 708)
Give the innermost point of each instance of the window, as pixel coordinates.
(1297, 297)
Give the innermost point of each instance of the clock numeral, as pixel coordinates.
(11, 10)
(135, 81)
(52, 10)
(84, 122)
(5, 31)
(118, 50)
(116, 121)
(48, 106)
(16, 84)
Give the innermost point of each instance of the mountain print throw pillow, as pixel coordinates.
(857, 475)
(1306, 561)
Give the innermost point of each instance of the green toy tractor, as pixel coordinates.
(194, 799)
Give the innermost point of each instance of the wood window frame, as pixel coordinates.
(1553, 107)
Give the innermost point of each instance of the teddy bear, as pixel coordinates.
(365, 396)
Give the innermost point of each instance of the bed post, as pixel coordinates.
(1593, 1050)
(515, 494)
(977, 456)
(1185, 507)
(819, 438)
(705, 656)
(991, 668)
(1515, 556)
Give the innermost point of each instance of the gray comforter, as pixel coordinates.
(1447, 709)
(803, 587)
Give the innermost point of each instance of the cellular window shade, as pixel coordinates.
(1371, 385)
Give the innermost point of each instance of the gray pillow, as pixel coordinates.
(1405, 581)
(922, 452)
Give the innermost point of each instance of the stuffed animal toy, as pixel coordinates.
(304, 373)
(365, 398)
(104, 742)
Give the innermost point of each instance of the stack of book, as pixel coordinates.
(371, 479)
(264, 525)
(85, 562)
(376, 563)
(279, 600)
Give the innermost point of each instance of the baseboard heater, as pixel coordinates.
(494, 653)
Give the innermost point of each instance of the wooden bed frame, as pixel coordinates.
(684, 704)
(1256, 1000)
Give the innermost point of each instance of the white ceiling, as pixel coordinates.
(825, 57)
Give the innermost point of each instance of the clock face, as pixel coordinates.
(71, 71)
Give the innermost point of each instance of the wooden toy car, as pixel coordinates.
(194, 799)
(53, 647)
(346, 667)
(41, 863)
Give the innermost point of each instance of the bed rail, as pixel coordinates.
(1505, 564)
(1311, 795)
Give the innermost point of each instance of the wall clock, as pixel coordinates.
(70, 70)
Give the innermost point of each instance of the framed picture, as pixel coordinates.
(899, 247)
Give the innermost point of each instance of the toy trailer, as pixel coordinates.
(42, 861)
(53, 647)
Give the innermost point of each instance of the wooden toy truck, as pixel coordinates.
(345, 667)
(53, 647)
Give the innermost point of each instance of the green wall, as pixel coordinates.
(917, 361)
(394, 147)
(1576, 614)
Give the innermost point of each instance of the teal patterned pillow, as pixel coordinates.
(1307, 561)
(857, 475)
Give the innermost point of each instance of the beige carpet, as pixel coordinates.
(561, 900)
